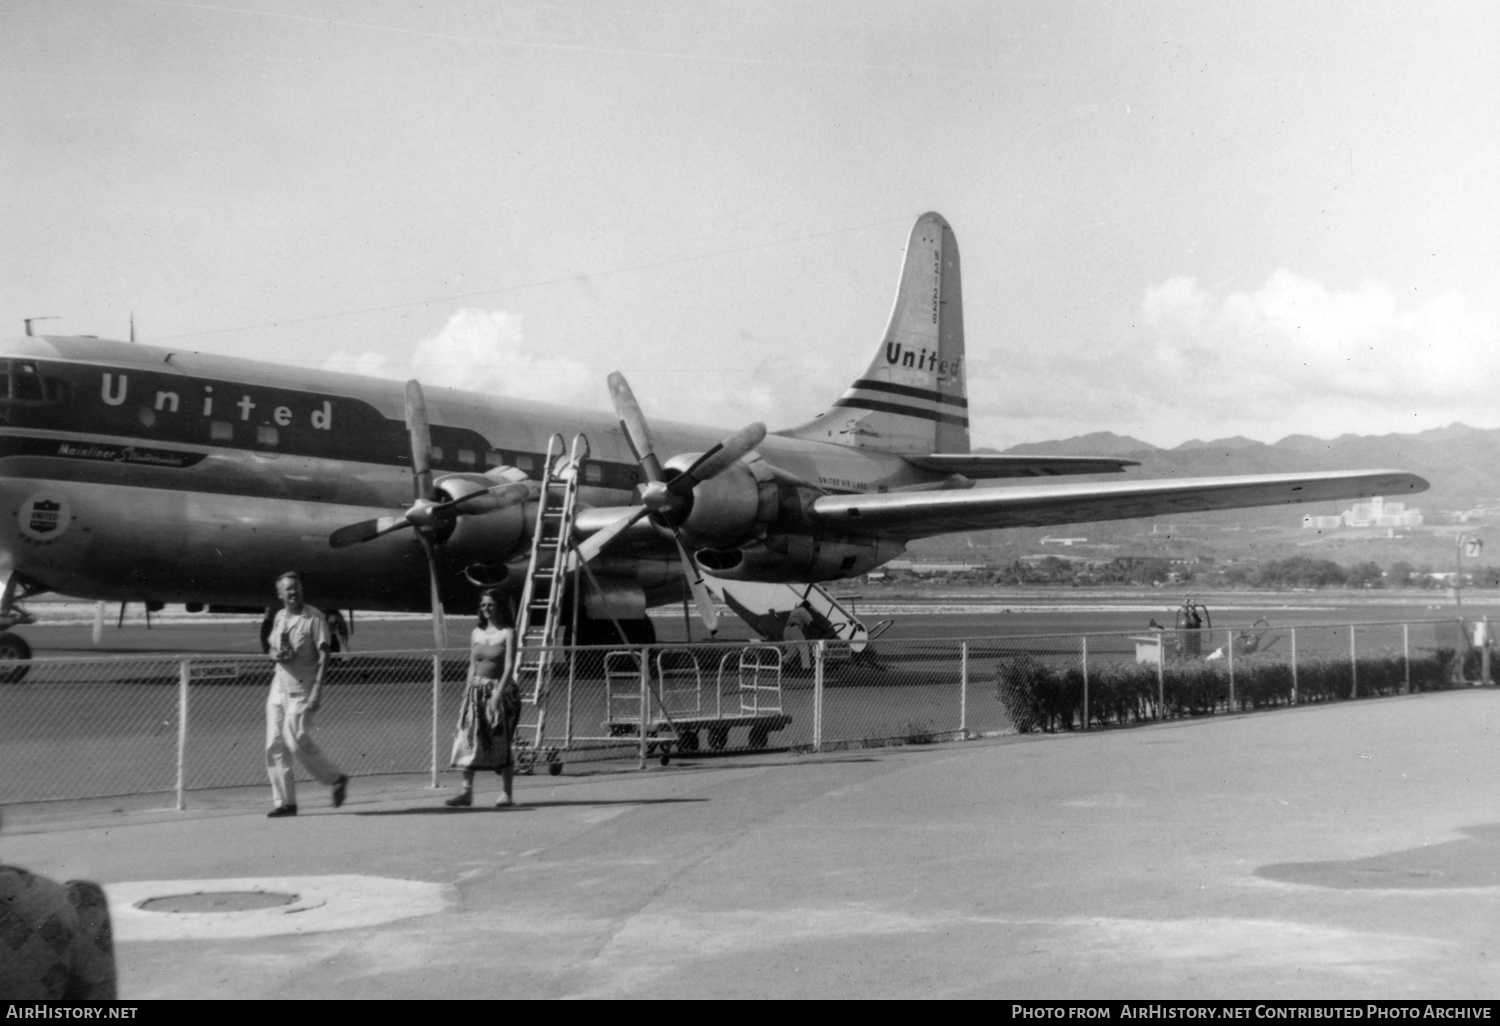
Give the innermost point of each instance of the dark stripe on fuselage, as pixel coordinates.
(904, 411)
(142, 413)
(869, 385)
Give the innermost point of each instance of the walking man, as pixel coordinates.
(299, 647)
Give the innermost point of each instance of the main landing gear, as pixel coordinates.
(15, 654)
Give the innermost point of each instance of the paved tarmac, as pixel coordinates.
(1338, 851)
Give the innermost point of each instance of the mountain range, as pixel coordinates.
(1462, 463)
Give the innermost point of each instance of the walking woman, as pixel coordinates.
(491, 704)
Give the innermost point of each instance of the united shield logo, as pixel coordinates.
(44, 516)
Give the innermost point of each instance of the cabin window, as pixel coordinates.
(437, 454)
(525, 463)
(492, 458)
(220, 431)
(466, 457)
(267, 435)
(148, 416)
(592, 474)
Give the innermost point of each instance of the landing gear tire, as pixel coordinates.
(688, 742)
(718, 737)
(15, 658)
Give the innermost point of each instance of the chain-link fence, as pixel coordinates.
(100, 727)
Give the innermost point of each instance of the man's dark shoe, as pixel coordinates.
(282, 810)
(340, 788)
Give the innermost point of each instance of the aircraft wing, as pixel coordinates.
(921, 514)
(989, 465)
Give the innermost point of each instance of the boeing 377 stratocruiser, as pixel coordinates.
(136, 473)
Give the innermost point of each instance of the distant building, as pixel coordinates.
(925, 569)
(1374, 512)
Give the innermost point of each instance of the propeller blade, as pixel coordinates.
(718, 459)
(423, 515)
(634, 423)
(707, 612)
(366, 530)
(594, 543)
(439, 620)
(421, 440)
(491, 499)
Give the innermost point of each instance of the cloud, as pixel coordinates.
(482, 351)
(1292, 356)
(1358, 360)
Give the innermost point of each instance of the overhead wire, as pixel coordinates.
(542, 283)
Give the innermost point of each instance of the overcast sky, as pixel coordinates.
(1177, 220)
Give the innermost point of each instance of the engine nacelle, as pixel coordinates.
(729, 508)
(798, 557)
(490, 537)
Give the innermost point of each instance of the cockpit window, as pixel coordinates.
(22, 381)
(26, 382)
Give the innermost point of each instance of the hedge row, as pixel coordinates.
(1041, 696)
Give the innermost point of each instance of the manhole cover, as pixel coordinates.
(217, 901)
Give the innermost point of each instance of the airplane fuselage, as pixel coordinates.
(133, 472)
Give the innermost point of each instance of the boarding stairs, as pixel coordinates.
(540, 621)
(765, 606)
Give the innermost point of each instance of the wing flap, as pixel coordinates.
(922, 514)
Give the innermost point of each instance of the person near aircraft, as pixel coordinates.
(300, 650)
(1192, 623)
(798, 622)
(58, 945)
(491, 704)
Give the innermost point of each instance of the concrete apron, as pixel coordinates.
(1344, 850)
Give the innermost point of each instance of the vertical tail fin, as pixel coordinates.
(912, 399)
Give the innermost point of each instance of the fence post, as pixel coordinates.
(1484, 653)
(963, 690)
(184, 674)
(1161, 681)
(437, 698)
(1406, 653)
(818, 696)
(1085, 644)
(1353, 666)
(645, 702)
(1229, 651)
(1294, 665)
